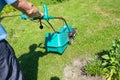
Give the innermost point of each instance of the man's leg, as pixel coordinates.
(9, 67)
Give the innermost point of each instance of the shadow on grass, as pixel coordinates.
(100, 54)
(54, 78)
(29, 62)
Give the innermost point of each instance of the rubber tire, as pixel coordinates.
(70, 40)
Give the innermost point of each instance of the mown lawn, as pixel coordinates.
(98, 24)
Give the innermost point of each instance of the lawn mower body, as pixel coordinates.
(58, 41)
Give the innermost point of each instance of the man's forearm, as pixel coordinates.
(27, 8)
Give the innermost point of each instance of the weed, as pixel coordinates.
(93, 68)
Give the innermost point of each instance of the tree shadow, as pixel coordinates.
(54, 78)
(29, 62)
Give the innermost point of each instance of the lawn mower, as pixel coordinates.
(58, 40)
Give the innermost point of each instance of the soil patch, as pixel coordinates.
(74, 70)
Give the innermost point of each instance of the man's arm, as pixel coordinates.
(27, 8)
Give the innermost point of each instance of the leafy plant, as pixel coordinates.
(108, 65)
(111, 62)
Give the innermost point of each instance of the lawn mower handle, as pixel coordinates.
(46, 17)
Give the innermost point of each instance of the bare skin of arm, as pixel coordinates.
(27, 8)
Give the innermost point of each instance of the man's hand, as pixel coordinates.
(27, 8)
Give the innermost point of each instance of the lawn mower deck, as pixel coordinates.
(58, 41)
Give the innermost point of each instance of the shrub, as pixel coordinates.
(108, 64)
(111, 62)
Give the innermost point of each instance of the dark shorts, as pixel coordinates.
(9, 67)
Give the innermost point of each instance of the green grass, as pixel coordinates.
(98, 23)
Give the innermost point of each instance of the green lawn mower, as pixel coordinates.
(58, 40)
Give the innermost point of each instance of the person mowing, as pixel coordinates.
(9, 67)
